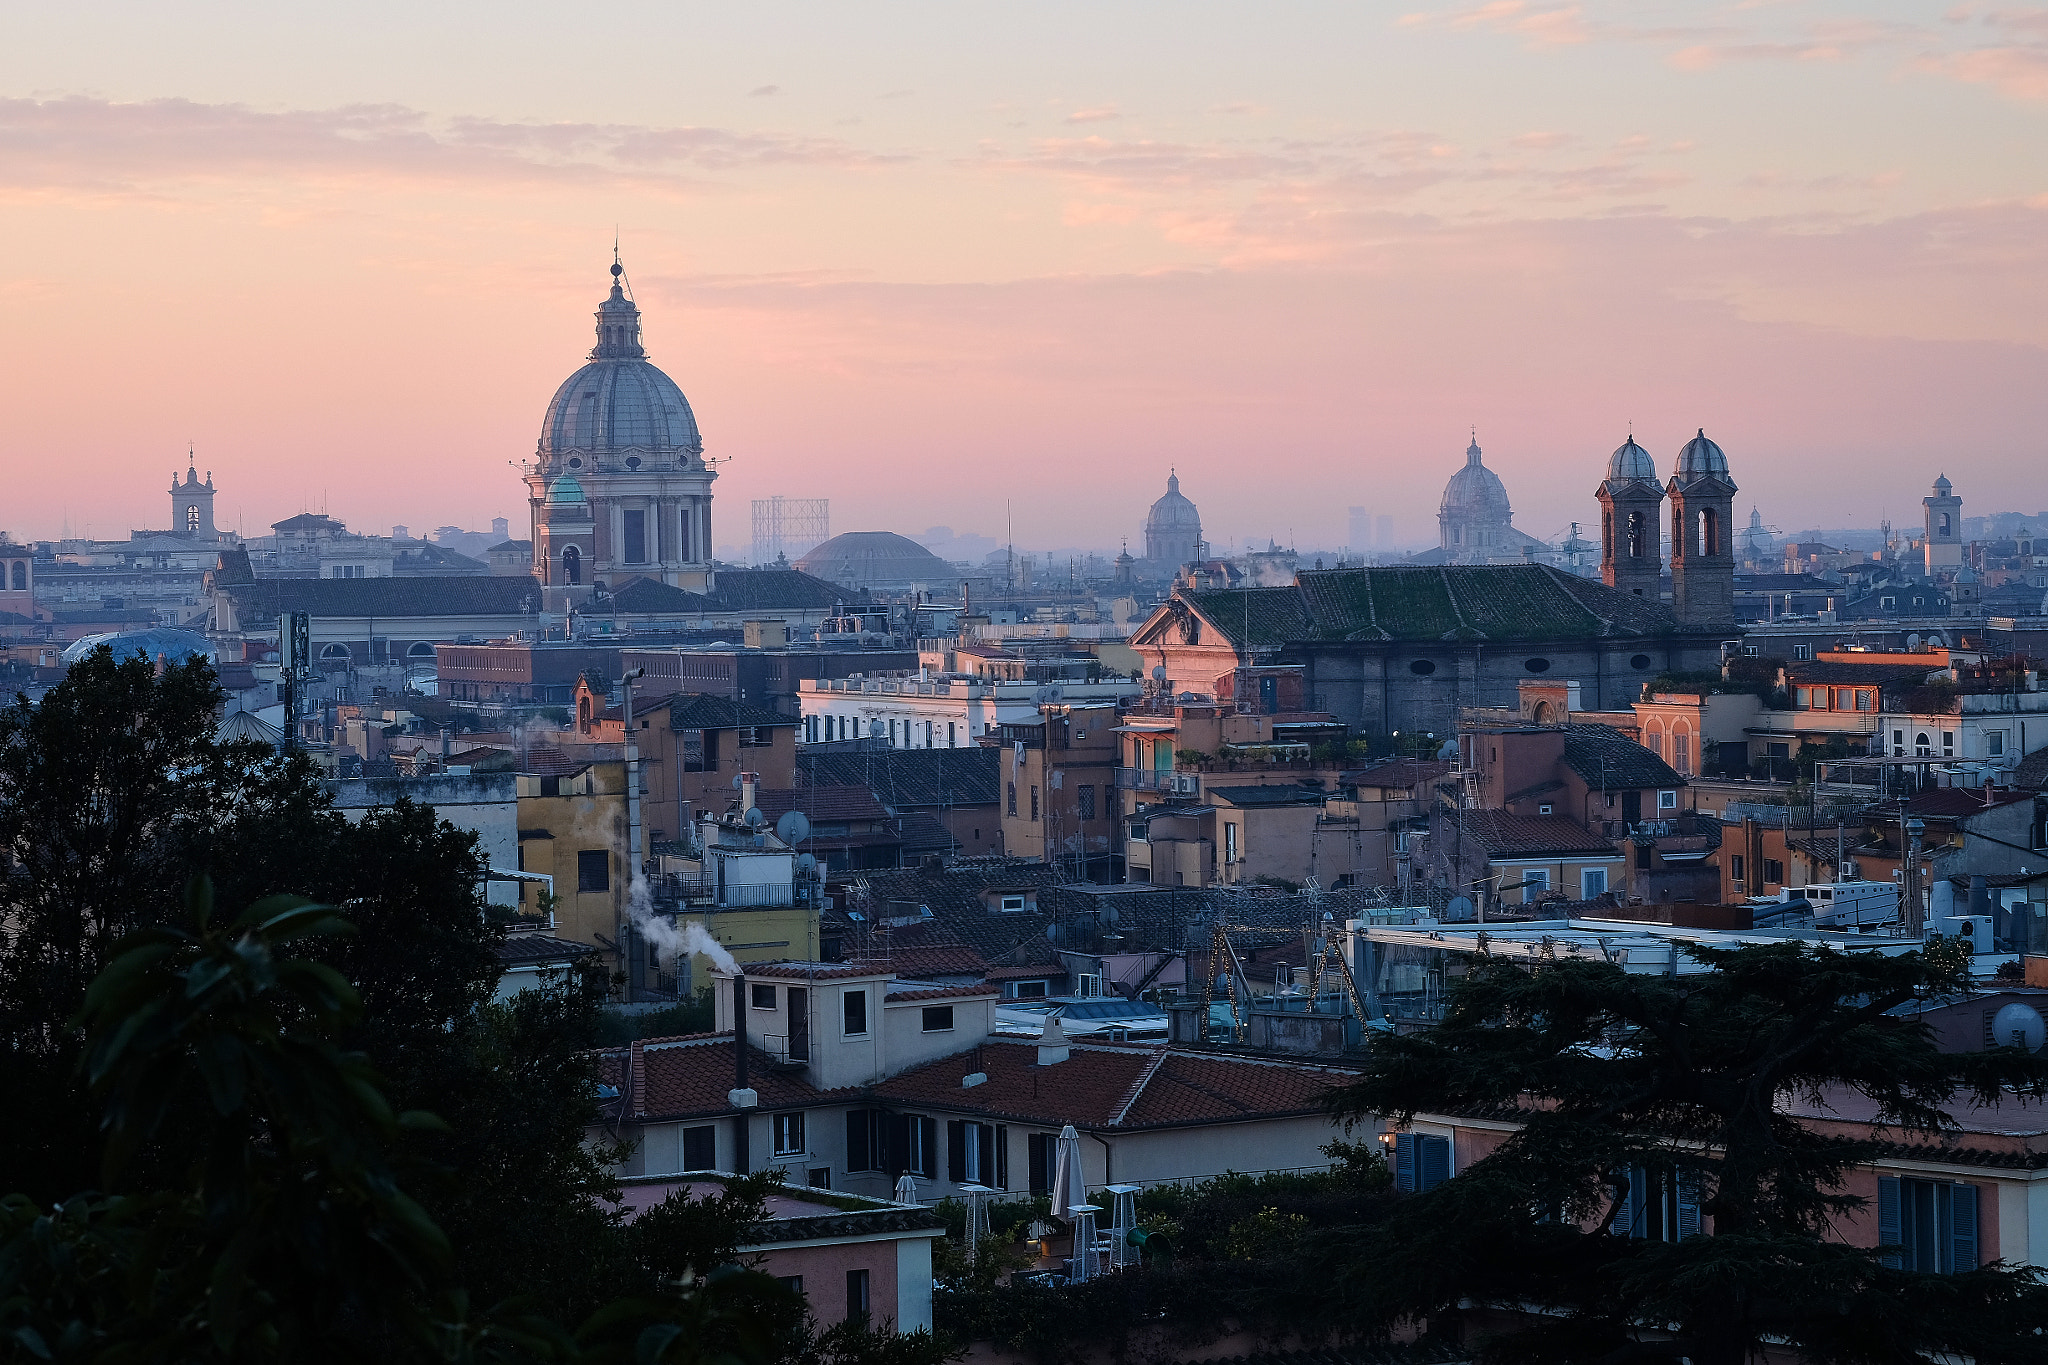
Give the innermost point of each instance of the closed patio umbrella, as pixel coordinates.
(906, 1188)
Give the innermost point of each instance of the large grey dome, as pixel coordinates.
(1701, 457)
(875, 559)
(1476, 493)
(619, 405)
(1631, 461)
(1173, 511)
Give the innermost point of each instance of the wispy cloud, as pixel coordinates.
(762, 91)
(109, 146)
(1098, 113)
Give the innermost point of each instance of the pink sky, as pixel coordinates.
(927, 259)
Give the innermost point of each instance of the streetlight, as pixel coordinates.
(1915, 921)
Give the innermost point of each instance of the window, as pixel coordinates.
(1229, 841)
(1866, 699)
(1546, 809)
(866, 1146)
(1802, 652)
(1923, 744)
(1681, 755)
(856, 1296)
(700, 1148)
(1034, 800)
(1994, 743)
(819, 1177)
(1888, 603)
(1011, 904)
(1084, 801)
(1948, 744)
(763, 997)
(920, 1146)
(1042, 1153)
(593, 870)
(1592, 882)
(551, 786)
(977, 1153)
(938, 1019)
(1735, 868)
(756, 737)
(1802, 698)
(1420, 1162)
(793, 1283)
(1774, 872)
(1667, 800)
(1660, 1205)
(950, 741)
(1012, 806)
(854, 1013)
(1535, 882)
(789, 1134)
(1932, 1223)
(636, 538)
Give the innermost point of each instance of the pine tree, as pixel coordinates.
(1613, 1078)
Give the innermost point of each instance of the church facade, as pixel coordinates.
(618, 486)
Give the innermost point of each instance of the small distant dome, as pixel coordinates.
(1700, 458)
(1942, 485)
(1173, 511)
(1631, 461)
(875, 559)
(1475, 493)
(565, 489)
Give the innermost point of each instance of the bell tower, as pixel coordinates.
(192, 506)
(1702, 547)
(1944, 544)
(1631, 523)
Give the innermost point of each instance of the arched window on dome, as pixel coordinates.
(20, 577)
(572, 566)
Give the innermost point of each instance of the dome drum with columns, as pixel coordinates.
(618, 485)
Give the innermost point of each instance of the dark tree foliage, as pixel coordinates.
(1607, 1072)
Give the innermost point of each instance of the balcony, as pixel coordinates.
(1154, 780)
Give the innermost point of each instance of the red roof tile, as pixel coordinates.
(940, 992)
(936, 959)
(823, 803)
(693, 1075)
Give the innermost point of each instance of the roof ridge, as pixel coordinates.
(1137, 1087)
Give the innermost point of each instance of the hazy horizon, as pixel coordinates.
(926, 260)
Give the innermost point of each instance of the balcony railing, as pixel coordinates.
(1154, 780)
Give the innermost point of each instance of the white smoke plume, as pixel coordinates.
(669, 941)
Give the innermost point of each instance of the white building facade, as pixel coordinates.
(935, 713)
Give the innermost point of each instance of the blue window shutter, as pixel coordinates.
(1688, 1203)
(1963, 1227)
(1436, 1162)
(1890, 1226)
(1404, 1162)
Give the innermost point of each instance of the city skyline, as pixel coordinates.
(867, 249)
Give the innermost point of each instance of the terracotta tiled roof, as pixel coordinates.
(816, 971)
(547, 761)
(1607, 760)
(936, 959)
(901, 778)
(823, 803)
(1400, 773)
(1504, 835)
(1962, 801)
(1027, 972)
(691, 1076)
(1115, 1087)
(941, 992)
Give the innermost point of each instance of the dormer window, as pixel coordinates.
(1011, 904)
(853, 1006)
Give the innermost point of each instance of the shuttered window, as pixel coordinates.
(1930, 1224)
(1421, 1162)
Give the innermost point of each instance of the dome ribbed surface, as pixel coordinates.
(1700, 458)
(1173, 511)
(1475, 492)
(1631, 461)
(619, 406)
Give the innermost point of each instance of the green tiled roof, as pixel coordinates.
(1463, 602)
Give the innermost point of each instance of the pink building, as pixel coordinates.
(848, 1255)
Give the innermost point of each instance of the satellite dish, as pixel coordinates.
(1159, 672)
(793, 828)
(806, 862)
(1112, 915)
(756, 817)
(1447, 749)
(735, 781)
(2019, 1026)
(1458, 908)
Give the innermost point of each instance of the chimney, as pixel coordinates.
(743, 1098)
(1052, 1042)
(444, 751)
(750, 783)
